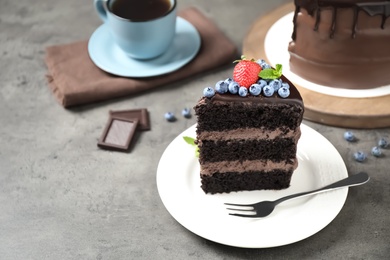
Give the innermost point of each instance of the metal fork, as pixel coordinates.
(264, 208)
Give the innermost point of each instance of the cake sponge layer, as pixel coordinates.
(276, 150)
(219, 115)
(254, 180)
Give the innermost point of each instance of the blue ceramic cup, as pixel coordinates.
(139, 39)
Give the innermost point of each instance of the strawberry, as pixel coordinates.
(246, 72)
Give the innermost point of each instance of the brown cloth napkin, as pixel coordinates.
(75, 80)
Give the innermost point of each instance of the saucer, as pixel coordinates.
(110, 58)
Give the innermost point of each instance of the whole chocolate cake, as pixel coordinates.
(247, 132)
(343, 43)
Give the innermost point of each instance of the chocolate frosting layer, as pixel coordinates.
(247, 166)
(250, 134)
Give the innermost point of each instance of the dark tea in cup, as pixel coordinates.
(140, 10)
(142, 29)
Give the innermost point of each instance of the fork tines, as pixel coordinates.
(245, 208)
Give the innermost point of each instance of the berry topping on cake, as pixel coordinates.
(229, 80)
(257, 77)
(255, 89)
(221, 87)
(263, 64)
(284, 92)
(262, 83)
(233, 87)
(246, 72)
(276, 84)
(268, 91)
(243, 91)
(208, 92)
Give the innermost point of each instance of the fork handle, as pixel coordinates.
(352, 180)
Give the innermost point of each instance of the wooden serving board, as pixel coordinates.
(367, 113)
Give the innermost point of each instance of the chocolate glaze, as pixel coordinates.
(341, 44)
(371, 8)
(295, 96)
(251, 111)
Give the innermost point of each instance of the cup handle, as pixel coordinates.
(101, 9)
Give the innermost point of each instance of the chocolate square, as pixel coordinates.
(118, 133)
(142, 115)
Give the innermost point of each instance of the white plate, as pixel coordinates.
(275, 45)
(320, 164)
(110, 58)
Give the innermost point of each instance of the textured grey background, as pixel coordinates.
(63, 198)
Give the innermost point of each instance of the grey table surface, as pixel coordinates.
(61, 197)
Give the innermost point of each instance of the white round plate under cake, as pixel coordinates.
(106, 55)
(275, 42)
(178, 184)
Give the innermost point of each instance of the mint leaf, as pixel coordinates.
(189, 140)
(278, 70)
(272, 73)
(267, 74)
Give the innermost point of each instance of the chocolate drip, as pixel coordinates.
(377, 8)
(333, 27)
(318, 18)
(355, 18)
(312, 7)
(297, 10)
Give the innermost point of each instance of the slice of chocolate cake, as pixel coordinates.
(247, 136)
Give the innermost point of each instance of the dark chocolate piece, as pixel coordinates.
(141, 114)
(118, 133)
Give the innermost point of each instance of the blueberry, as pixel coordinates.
(266, 66)
(208, 92)
(383, 143)
(255, 89)
(229, 80)
(359, 156)
(221, 87)
(349, 136)
(169, 116)
(263, 64)
(260, 61)
(262, 83)
(243, 91)
(268, 91)
(284, 92)
(233, 87)
(286, 85)
(376, 151)
(276, 84)
(186, 112)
